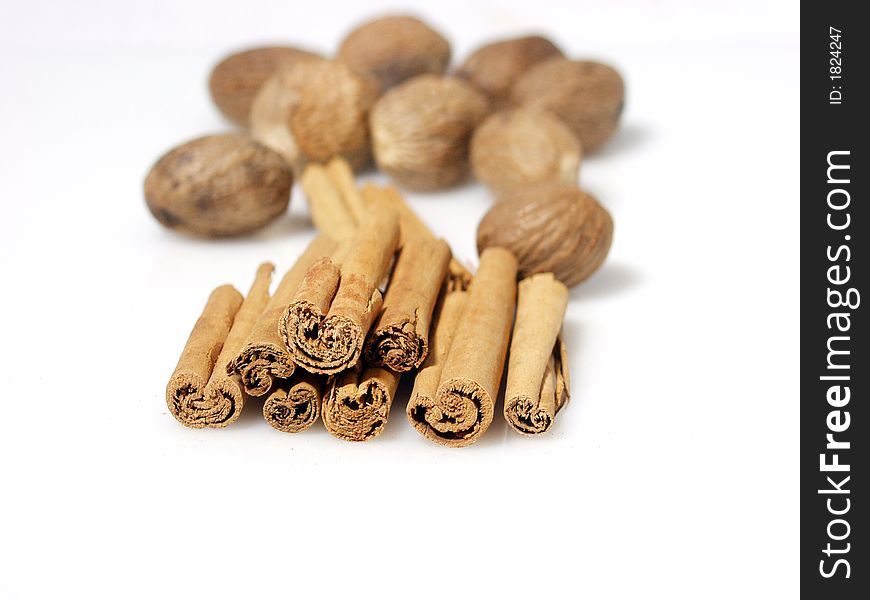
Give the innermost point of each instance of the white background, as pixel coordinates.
(673, 473)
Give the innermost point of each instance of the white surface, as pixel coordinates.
(673, 472)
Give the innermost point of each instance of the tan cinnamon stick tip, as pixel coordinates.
(411, 226)
(326, 205)
(184, 392)
(399, 339)
(224, 392)
(341, 174)
(357, 405)
(537, 377)
(462, 407)
(294, 405)
(326, 324)
(445, 323)
(264, 356)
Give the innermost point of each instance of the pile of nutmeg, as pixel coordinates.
(517, 114)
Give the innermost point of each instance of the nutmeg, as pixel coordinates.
(395, 48)
(219, 185)
(235, 80)
(495, 67)
(551, 228)
(422, 128)
(315, 111)
(521, 147)
(588, 96)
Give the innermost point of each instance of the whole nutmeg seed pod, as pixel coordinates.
(421, 130)
(553, 228)
(235, 80)
(394, 49)
(587, 96)
(219, 185)
(522, 147)
(495, 67)
(315, 111)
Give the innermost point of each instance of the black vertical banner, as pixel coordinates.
(835, 368)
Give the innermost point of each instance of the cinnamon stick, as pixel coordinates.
(326, 324)
(200, 393)
(342, 177)
(462, 407)
(537, 377)
(412, 228)
(336, 204)
(357, 404)
(328, 210)
(400, 337)
(294, 404)
(264, 356)
(445, 322)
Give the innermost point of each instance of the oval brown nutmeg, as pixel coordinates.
(495, 67)
(587, 96)
(555, 228)
(394, 49)
(522, 147)
(236, 79)
(315, 111)
(217, 186)
(421, 130)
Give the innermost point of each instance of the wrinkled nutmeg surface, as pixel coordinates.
(315, 111)
(495, 67)
(219, 185)
(550, 228)
(395, 48)
(587, 96)
(235, 80)
(421, 130)
(522, 147)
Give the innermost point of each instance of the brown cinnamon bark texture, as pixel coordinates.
(294, 404)
(400, 337)
(184, 392)
(357, 404)
(327, 322)
(342, 177)
(537, 377)
(326, 205)
(462, 407)
(445, 322)
(411, 227)
(264, 356)
(200, 394)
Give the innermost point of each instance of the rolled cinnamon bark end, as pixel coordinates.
(537, 377)
(326, 324)
(184, 392)
(445, 322)
(294, 404)
(400, 337)
(224, 391)
(264, 357)
(303, 323)
(357, 405)
(461, 409)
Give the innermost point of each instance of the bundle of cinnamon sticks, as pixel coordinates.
(376, 297)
